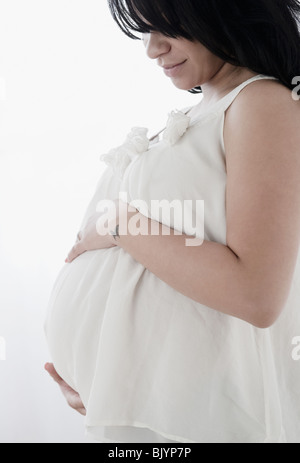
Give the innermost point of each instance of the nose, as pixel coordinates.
(156, 44)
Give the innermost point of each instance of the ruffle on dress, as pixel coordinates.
(137, 142)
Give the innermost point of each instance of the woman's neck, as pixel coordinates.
(227, 79)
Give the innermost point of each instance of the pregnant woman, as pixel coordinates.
(180, 327)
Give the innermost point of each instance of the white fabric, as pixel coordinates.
(151, 364)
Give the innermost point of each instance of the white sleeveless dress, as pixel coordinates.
(150, 364)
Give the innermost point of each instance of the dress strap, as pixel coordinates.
(224, 103)
(227, 100)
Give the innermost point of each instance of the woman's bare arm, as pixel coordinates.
(250, 277)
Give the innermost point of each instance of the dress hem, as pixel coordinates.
(135, 424)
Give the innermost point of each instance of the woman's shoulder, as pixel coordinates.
(265, 117)
(264, 103)
(267, 96)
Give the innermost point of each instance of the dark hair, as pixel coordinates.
(261, 35)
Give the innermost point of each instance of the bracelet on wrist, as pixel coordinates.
(115, 233)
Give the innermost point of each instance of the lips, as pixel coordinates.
(173, 69)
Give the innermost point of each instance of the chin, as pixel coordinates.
(184, 85)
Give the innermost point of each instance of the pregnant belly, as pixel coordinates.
(110, 318)
(76, 309)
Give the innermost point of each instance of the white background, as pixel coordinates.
(71, 87)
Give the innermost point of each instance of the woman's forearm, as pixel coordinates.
(210, 274)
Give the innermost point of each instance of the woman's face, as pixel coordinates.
(188, 64)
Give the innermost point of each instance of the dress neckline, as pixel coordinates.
(222, 103)
(225, 101)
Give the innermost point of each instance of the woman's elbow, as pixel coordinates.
(264, 322)
(265, 316)
(264, 301)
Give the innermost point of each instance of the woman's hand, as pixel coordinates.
(97, 232)
(89, 239)
(71, 396)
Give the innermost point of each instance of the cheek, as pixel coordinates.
(205, 65)
(198, 70)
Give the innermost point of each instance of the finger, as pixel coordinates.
(75, 402)
(75, 252)
(82, 411)
(49, 367)
(72, 397)
(66, 389)
(79, 237)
